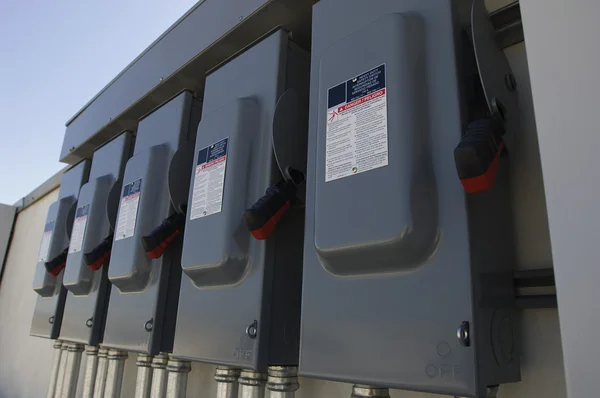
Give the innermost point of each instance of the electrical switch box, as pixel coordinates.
(240, 297)
(143, 299)
(407, 280)
(48, 313)
(87, 281)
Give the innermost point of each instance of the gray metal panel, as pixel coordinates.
(210, 33)
(7, 220)
(47, 316)
(212, 320)
(139, 298)
(399, 329)
(85, 307)
(388, 241)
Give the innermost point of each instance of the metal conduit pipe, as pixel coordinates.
(62, 366)
(74, 352)
(252, 384)
(282, 381)
(55, 366)
(177, 370)
(91, 368)
(143, 381)
(361, 390)
(114, 373)
(227, 381)
(159, 376)
(100, 383)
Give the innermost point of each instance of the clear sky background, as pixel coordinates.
(54, 57)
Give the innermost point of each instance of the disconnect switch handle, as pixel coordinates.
(99, 255)
(161, 237)
(264, 215)
(58, 263)
(478, 154)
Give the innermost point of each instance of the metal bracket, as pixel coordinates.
(495, 73)
(508, 25)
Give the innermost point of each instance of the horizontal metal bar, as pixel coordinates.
(537, 301)
(209, 34)
(534, 278)
(509, 28)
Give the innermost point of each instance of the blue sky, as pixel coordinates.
(54, 57)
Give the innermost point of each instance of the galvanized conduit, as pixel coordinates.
(55, 367)
(361, 390)
(159, 376)
(177, 371)
(252, 384)
(227, 381)
(91, 368)
(71, 374)
(143, 381)
(62, 366)
(282, 381)
(100, 383)
(114, 374)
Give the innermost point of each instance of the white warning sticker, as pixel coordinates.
(81, 216)
(357, 130)
(46, 240)
(130, 200)
(209, 180)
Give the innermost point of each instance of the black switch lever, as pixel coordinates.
(264, 215)
(58, 263)
(100, 254)
(161, 237)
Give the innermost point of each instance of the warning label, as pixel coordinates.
(81, 216)
(357, 131)
(128, 210)
(209, 180)
(46, 239)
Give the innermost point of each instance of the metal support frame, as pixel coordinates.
(508, 25)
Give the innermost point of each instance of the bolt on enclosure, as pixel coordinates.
(240, 297)
(143, 301)
(48, 312)
(88, 288)
(407, 281)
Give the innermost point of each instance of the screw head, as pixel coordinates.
(149, 325)
(89, 323)
(252, 330)
(463, 335)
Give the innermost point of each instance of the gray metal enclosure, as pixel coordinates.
(87, 297)
(143, 299)
(384, 278)
(232, 281)
(398, 259)
(47, 317)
